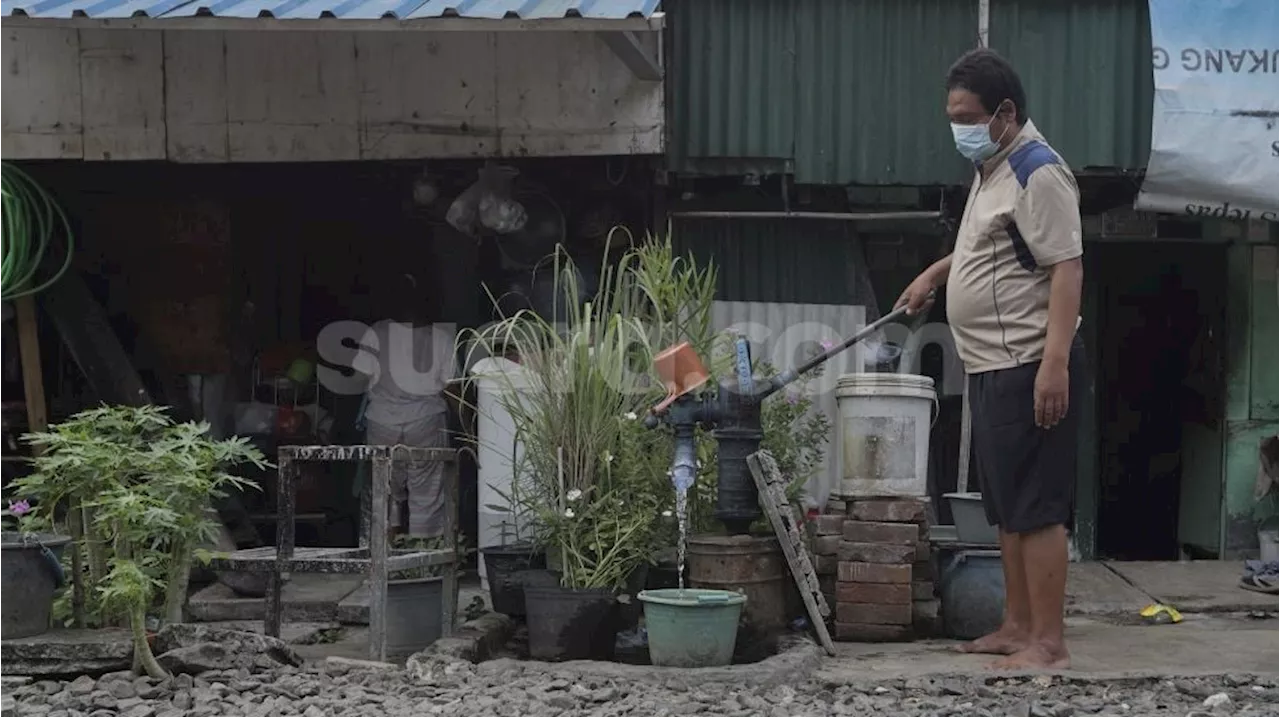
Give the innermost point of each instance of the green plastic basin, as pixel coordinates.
(692, 628)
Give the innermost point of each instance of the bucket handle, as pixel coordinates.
(703, 599)
(934, 412)
(944, 576)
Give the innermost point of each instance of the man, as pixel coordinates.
(1013, 287)
(408, 363)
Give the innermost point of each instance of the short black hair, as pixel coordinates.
(989, 76)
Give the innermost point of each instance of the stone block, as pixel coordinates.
(826, 545)
(862, 572)
(861, 632)
(826, 564)
(925, 570)
(837, 506)
(859, 531)
(922, 590)
(888, 510)
(924, 551)
(827, 583)
(877, 553)
(830, 524)
(873, 614)
(874, 593)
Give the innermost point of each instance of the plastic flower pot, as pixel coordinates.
(501, 564)
(692, 628)
(30, 573)
(570, 623)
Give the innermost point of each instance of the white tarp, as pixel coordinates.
(1214, 142)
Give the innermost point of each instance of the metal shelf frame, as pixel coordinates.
(377, 560)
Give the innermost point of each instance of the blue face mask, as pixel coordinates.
(974, 140)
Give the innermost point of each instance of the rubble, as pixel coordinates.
(354, 688)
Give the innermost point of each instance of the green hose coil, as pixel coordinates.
(32, 223)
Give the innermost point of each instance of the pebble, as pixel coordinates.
(466, 690)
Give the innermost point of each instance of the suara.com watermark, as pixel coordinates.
(354, 356)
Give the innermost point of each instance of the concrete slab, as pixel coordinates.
(307, 598)
(1201, 645)
(1093, 589)
(68, 652)
(1197, 586)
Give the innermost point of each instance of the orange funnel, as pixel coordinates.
(681, 372)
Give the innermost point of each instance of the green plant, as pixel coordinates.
(583, 377)
(134, 490)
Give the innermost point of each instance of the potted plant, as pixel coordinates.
(587, 379)
(32, 571)
(505, 567)
(134, 489)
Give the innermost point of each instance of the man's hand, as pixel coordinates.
(919, 295)
(1052, 393)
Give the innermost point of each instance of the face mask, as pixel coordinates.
(974, 140)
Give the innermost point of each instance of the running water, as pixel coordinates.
(682, 520)
(684, 468)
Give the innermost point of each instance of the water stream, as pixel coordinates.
(682, 520)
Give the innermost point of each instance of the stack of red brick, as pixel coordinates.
(883, 584)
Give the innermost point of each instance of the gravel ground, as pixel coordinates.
(459, 689)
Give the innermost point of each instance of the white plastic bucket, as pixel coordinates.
(497, 451)
(883, 436)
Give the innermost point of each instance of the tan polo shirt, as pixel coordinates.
(1020, 219)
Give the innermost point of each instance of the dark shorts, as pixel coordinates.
(1027, 474)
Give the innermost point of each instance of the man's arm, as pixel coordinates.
(1047, 217)
(1066, 283)
(938, 271)
(919, 294)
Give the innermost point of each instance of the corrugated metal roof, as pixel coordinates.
(872, 90)
(1086, 66)
(341, 9)
(731, 79)
(851, 91)
(779, 260)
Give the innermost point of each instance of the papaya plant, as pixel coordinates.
(134, 489)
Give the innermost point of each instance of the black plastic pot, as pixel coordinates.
(501, 563)
(30, 573)
(629, 612)
(571, 623)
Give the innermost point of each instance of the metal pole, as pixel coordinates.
(831, 216)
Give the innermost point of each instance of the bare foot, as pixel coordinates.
(1035, 657)
(1005, 641)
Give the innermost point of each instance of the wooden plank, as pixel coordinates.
(292, 97)
(966, 440)
(195, 71)
(32, 372)
(122, 86)
(450, 586)
(445, 107)
(378, 561)
(641, 60)
(770, 485)
(578, 98)
(286, 483)
(41, 94)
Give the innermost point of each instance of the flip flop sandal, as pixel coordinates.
(1266, 584)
